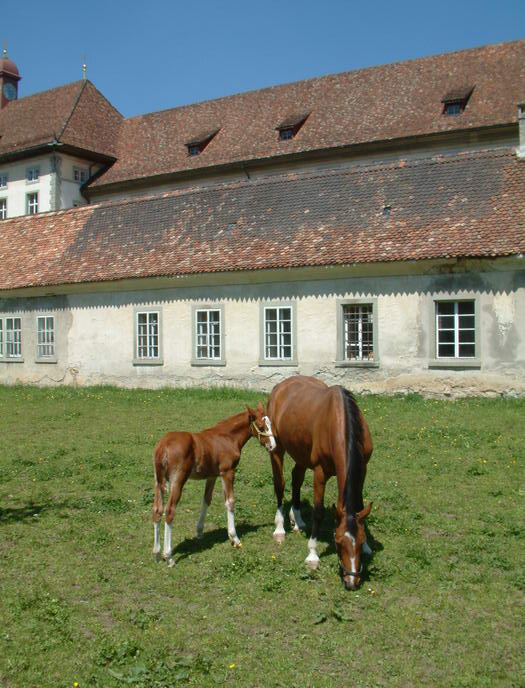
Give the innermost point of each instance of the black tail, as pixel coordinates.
(354, 458)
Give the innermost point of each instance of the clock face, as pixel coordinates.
(9, 91)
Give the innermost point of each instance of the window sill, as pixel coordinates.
(148, 361)
(278, 363)
(11, 360)
(454, 363)
(211, 362)
(48, 359)
(357, 364)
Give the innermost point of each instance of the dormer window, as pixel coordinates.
(455, 101)
(199, 143)
(80, 174)
(289, 127)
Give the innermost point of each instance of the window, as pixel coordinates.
(278, 339)
(45, 342)
(148, 337)
(198, 143)
(452, 109)
(455, 329)
(80, 175)
(1, 338)
(455, 101)
(285, 134)
(194, 149)
(208, 335)
(13, 337)
(32, 174)
(3, 180)
(3, 208)
(32, 204)
(290, 126)
(357, 333)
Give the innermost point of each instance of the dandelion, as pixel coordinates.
(273, 557)
(232, 665)
(75, 684)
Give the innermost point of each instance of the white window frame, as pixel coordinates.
(3, 208)
(4, 179)
(12, 345)
(138, 357)
(280, 360)
(47, 340)
(80, 175)
(203, 339)
(456, 361)
(342, 359)
(33, 174)
(32, 203)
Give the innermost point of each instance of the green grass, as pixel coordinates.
(81, 598)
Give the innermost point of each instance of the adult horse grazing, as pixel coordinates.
(322, 428)
(204, 455)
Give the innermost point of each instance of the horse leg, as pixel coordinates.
(158, 508)
(312, 560)
(206, 501)
(177, 481)
(229, 502)
(278, 484)
(295, 512)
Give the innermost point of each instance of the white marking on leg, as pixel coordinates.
(312, 560)
(297, 519)
(200, 524)
(279, 532)
(156, 540)
(232, 534)
(167, 544)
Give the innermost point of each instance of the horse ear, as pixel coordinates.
(260, 407)
(251, 413)
(364, 512)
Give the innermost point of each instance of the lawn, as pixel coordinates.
(82, 600)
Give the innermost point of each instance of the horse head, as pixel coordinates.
(261, 426)
(349, 539)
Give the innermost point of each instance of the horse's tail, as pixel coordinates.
(159, 470)
(354, 457)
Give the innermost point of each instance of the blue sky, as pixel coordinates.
(148, 56)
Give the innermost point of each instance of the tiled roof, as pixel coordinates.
(368, 105)
(462, 205)
(76, 114)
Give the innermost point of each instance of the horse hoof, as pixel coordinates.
(199, 535)
(157, 556)
(279, 537)
(312, 564)
(171, 562)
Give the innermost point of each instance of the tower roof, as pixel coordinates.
(7, 66)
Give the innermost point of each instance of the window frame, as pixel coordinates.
(45, 358)
(80, 171)
(3, 339)
(436, 361)
(28, 203)
(277, 362)
(147, 361)
(341, 361)
(3, 201)
(30, 172)
(202, 361)
(4, 175)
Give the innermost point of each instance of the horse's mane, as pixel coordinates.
(354, 444)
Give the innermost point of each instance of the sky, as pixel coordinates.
(158, 54)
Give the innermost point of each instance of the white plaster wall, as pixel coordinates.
(95, 335)
(18, 187)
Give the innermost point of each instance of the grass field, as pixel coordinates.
(82, 601)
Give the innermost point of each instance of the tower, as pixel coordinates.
(9, 78)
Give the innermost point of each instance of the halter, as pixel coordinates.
(265, 433)
(346, 572)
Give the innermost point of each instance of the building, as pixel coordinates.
(365, 227)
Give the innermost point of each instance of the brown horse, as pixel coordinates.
(322, 428)
(202, 455)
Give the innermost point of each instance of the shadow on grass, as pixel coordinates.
(210, 539)
(28, 511)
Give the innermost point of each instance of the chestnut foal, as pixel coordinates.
(201, 455)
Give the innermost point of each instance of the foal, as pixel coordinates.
(201, 455)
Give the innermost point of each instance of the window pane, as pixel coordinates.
(466, 307)
(445, 308)
(467, 350)
(466, 321)
(466, 336)
(446, 350)
(447, 336)
(446, 322)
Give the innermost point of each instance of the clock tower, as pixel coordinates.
(9, 78)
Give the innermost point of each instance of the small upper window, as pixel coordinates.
(32, 174)
(3, 208)
(32, 204)
(455, 101)
(80, 175)
(289, 127)
(199, 143)
(3, 181)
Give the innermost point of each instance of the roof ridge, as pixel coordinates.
(68, 118)
(323, 77)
